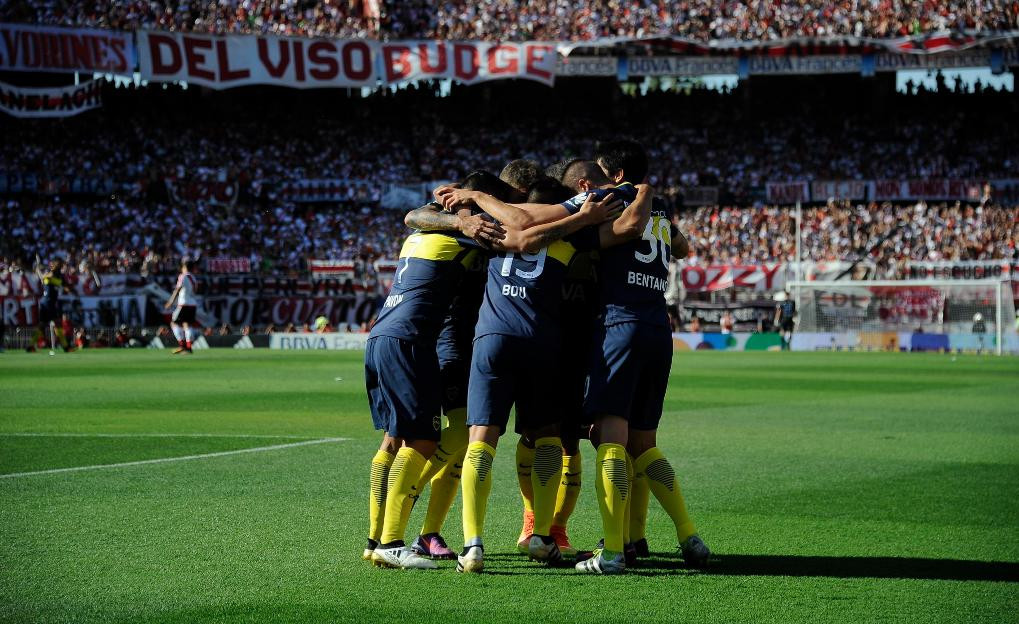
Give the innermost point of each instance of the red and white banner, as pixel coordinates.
(468, 61)
(323, 189)
(50, 101)
(787, 192)
(65, 50)
(208, 191)
(225, 61)
(341, 269)
(763, 277)
(228, 265)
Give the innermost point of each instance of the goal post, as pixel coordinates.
(956, 315)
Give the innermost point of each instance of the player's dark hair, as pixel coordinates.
(188, 264)
(548, 191)
(583, 170)
(521, 174)
(558, 170)
(487, 182)
(624, 154)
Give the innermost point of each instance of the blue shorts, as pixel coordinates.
(404, 394)
(630, 366)
(455, 375)
(508, 371)
(574, 365)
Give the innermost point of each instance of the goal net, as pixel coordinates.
(929, 315)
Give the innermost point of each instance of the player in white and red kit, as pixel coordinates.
(184, 316)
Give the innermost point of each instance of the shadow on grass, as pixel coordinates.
(845, 567)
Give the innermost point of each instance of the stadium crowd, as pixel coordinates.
(140, 237)
(884, 235)
(151, 138)
(154, 146)
(539, 20)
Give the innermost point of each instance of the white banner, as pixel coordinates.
(681, 65)
(50, 101)
(65, 50)
(823, 190)
(964, 270)
(225, 61)
(321, 342)
(586, 65)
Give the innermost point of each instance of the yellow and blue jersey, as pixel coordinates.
(427, 278)
(633, 276)
(52, 284)
(523, 295)
(457, 332)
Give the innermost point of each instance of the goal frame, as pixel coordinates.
(999, 285)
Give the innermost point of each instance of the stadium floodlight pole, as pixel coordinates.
(999, 317)
(799, 259)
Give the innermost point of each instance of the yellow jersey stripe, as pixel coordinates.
(431, 246)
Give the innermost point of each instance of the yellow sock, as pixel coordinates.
(403, 477)
(545, 478)
(451, 444)
(612, 484)
(664, 485)
(639, 495)
(378, 481)
(569, 489)
(629, 500)
(525, 463)
(477, 485)
(445, 485)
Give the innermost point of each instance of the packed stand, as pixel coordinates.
(884, 237)
(548, 20)
(151, 147)
(153, 136)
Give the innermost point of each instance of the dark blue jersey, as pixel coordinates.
(633, 276)
(580, 294)
(52, 284)
(458, 327)
(427, 278)
(523, 295)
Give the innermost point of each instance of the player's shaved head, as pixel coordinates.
(489, 183)
(584, 170)
(521, 174)
(548, 191)
(557, 170)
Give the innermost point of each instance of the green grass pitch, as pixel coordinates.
(832, 488)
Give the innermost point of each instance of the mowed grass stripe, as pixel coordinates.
(825, 501)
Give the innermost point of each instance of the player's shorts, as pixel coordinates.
(49, 312)
(508, 371)
(455, 375)
(574, 364)
(787, 325)
(630, 366)
(402, 378)
(454, 351)
(185, 314)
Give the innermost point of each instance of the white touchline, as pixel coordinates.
(163, 460)
(60, 434)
